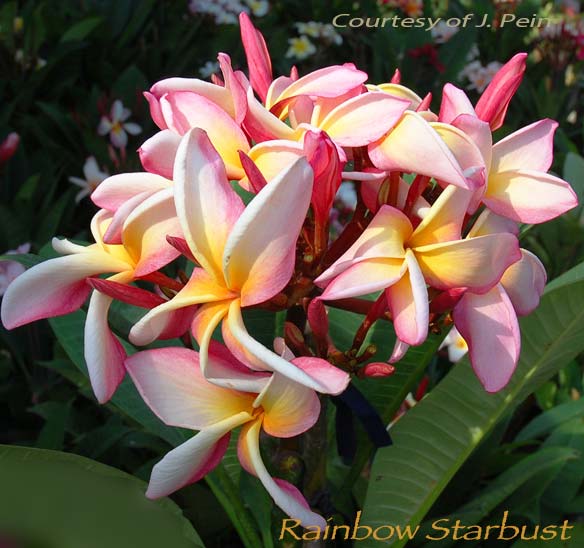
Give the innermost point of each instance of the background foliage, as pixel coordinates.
(458, 453)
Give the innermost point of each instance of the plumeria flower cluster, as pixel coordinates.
(225, 12)
(433, 237)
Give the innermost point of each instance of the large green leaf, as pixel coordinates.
(51, 499)
(435, 438)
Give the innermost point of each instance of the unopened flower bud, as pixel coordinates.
(378, 369)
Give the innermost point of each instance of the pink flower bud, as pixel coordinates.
(378, 369)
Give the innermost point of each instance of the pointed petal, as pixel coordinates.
(330, 81)
(206, 204)
(287, 498)
(383, 238)
(172, 385)
(218, 94)
(444, 220)
(54, 287)
(397, 90)
(326, 379)
(491, 223)
(489, 326)
(363, 278)
(399, 351)
(184, 111)
(363, 119)
(155, 110)
(524, 282)
(257, 55)
(200, 289)
(145, 230)
(529, 196)
(466, 152)
(414, 146)
(484, 258)
(259, 254)
(454, 102)
(531, 147)
(157, 153)
(479, 132)
(492, 105)
(103, 353)
(290, 408)
(408, 302)
(261, 124)
(192, 460)
(114, 191)
(236, 89)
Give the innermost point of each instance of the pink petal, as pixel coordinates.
(259, 255)
(524, 282)
(257, 55)
(114, 191)
(454, 102)
(206, 204)
(103, 353)
(408, 302)
(113, 234)
(330, 81)
(145, 230)
(414, 146)
(479, 132)
(261, 124)
(528, 196)
(54, 287)
(485, 258)
(493, 103)
(172, 385)
(318, 374)
(490, 223)
(288, 499)
(185, 110)
(155, 110)
(157, 153)
(235, 88)
(192, 460)
(384, 237)
(531, 147)
(363, 119)
(363, 278)
(289, 408)
(489, 326)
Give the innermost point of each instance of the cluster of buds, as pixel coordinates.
(433, 236)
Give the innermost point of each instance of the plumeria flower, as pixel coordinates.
(116, 126)
(455, 345)
(59, 286)
(93, 177)
(392, 256)
(10, 270)
(310, 28)
(300, 48)
(254, 401)
(246, 255)
(8, 147)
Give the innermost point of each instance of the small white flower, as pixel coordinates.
(116, 125)
(455, 344)
(258, 8)
(442, 32)
(208, 69)
(9, 270)
(329, 33)
(300, 48)
(93, 177)
(347, 194)
(311, 28)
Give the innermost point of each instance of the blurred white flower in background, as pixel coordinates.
(455, 345)
(208, 69)
(9, 270)
(226, 12)
(442, 32)
(93, 177)
(300, 48)
(479, 76)
(116, 126)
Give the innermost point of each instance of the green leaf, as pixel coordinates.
(436, 437)
(574, 173)
(546, 422)
(81, 30)
(572, 537)
(50, 498)
(502, 487)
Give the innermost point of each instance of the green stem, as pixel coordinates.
(225, 491)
